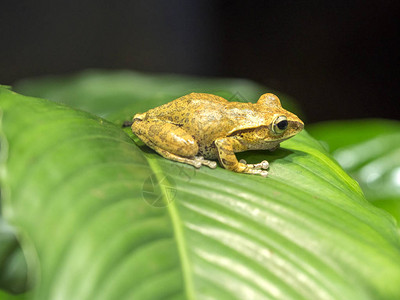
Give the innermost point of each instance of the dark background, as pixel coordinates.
(339, 59)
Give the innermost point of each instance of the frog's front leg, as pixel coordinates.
(170, 141)
(226, 154)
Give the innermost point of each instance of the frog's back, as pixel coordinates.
(181, 110)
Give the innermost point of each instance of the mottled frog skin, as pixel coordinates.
(198, 128)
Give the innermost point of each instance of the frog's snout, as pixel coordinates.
(298, 125)
(139, 117)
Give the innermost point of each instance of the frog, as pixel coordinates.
(200, 128)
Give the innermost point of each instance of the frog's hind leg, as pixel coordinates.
(196, 161)
(170, 141)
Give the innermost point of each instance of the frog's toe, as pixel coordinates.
(262, 165)
(209, 163)
(263, 173)
(197, 164)
(212, 164)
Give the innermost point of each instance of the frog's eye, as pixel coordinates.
(280, 124)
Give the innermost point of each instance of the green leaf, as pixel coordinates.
(78, 189)
(370, 151)
(7, 296)
(13, 273)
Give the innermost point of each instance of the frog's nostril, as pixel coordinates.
(299, 125)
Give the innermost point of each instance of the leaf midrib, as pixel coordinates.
(178, 233)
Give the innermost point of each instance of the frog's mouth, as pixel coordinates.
(267, 135)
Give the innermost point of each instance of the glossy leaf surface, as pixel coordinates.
(370, 151)
(78, 189)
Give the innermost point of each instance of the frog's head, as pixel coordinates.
(282, 124)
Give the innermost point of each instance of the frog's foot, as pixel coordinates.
(258, 168)
(195, 161)
(201, 161)
(190, 161)
(229, 161)
(262, 165)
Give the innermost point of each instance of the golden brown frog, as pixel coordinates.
(198, 126)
